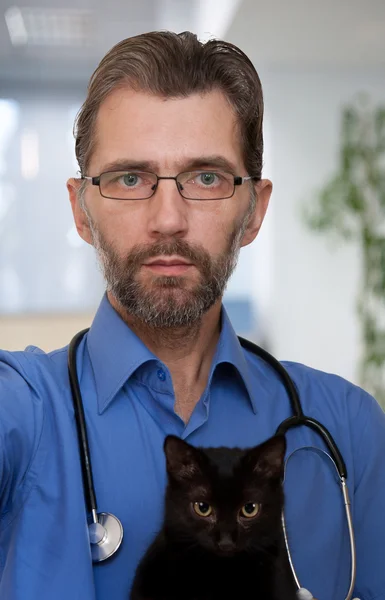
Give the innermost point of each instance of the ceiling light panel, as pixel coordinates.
(50, 26)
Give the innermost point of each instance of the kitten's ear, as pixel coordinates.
(182, 459)
(267, 459)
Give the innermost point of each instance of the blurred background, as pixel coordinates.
(297, 288)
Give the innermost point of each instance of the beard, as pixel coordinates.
(167, 302)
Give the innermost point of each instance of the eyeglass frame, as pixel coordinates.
(237, 180)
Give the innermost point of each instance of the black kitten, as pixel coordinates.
(222, 535)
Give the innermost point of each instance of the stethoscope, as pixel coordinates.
(106, 531)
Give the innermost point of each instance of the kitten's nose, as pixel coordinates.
(226, 543)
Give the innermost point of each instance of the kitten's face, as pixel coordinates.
(225, 500)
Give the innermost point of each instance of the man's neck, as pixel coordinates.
(187, 352)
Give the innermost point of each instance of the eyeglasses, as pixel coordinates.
(192, 185)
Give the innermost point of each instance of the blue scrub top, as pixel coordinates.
(128, 399)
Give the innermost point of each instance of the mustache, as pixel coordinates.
(192, 253)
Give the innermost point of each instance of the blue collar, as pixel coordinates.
(116, 352)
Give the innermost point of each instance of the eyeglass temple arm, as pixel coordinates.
(240, 180)
(94, 180)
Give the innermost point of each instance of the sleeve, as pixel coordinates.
(20, 422)
(369, 500)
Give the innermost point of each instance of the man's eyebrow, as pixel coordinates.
(199, 162)
(217, 161)
(126, 164)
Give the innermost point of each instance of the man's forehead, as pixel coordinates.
(139, 126)
(122, 95)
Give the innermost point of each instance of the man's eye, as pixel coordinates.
(207, 178)
(130, 179)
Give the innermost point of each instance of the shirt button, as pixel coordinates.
(161, 374)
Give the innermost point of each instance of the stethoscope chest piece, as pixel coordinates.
(105, 536)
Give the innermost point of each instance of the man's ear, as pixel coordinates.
(262, 190)
(80, 218)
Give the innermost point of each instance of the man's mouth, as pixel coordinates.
(168, 265)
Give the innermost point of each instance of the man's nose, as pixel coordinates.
(168, 211)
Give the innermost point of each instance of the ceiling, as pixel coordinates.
(312, 34)
(277, 33)
(108, 22)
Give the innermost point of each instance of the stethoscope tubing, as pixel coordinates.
(298, 418)
(85, 457)
(106, 531)
(349, 520)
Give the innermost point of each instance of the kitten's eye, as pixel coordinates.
(202, 509)
(250, 510)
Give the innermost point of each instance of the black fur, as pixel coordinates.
(223, 556)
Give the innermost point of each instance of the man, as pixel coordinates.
(169, 144)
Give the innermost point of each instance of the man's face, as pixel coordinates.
(167, 259)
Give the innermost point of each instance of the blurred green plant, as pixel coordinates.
(352, 206)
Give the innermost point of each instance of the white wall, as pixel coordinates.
(314, 282)
(312, 58)
(44, 265)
